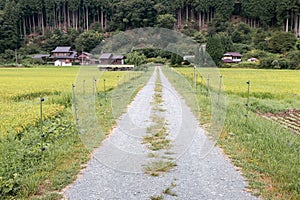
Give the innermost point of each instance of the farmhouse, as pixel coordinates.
(110, 59)
(232, 57)
(63, 56)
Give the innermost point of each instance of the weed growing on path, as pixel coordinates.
(157, 140)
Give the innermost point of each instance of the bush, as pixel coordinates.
(75, 63)
(285, 63)
(259, 54)
(157, 60)
(294, 56)
(281, 42)
(245, 65)
(266, 63)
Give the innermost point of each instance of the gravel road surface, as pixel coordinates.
(116, 168)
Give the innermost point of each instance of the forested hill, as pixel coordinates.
(35, 16)
(22, 20)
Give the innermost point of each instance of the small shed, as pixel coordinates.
(232, 57)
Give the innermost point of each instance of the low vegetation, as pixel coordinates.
(38, 160)
(266, 151)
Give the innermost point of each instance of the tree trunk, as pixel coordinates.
(33, 22)
(87, 18)
(24, 29)
(287, 25)
(295, 22)
(54, 17)
(83, 16)
(187, 13)
(105, 22)
(65, 16)
(43, 27)
(59, 18)
(179, 17)
(287, 22)
(207, 18)
(200, 21)
(102, 22)
(69, 19)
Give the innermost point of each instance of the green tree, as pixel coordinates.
(281, 42)
(133, 14)
(226, 41)
(166, 21)
(199, 37)
(87, 41)
(176, 59)
(135, 58)
(8, 27)
(214, 48)
(219, 24)
(261, 39)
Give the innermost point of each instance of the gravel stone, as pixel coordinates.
(116, 168)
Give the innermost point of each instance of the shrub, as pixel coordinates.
(157, 60)
(282, 42)
(294, 56)
(259, 54)
(245, 65)
(266, 63)
(285, 63)
(75, 63)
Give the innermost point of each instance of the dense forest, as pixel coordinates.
(35, 16)
(21, 21)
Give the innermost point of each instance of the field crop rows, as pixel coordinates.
(276, 91)
(279, 84)
(34, 162)
(21, 89)
(289, 119)
(20, 92)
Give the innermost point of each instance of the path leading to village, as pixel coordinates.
(117, 168)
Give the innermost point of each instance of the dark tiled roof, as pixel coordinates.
(61, 49)
(72, 56)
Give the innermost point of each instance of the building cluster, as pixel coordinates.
(64, 56)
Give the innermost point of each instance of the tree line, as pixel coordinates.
(35, 16)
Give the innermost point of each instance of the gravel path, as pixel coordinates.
(116, 169)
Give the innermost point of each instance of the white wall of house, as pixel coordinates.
(62, 63)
